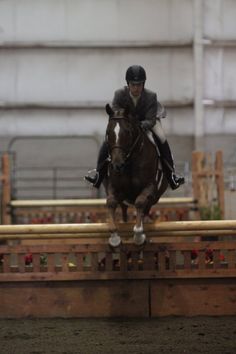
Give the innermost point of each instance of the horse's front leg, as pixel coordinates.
(124, 209)
(114, 239)
(139, 235)
(140, 204)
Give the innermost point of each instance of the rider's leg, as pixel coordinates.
(166, 156)
(101, 168)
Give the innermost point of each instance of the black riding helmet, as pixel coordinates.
(135, 74)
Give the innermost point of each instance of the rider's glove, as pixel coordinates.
(145, 125)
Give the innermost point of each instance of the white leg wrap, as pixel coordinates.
(139, 239)
(114, 240)
(138, 230)
(139, 236)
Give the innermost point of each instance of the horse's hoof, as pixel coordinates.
(139, 239)
(114, 240)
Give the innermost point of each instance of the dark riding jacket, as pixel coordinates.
(148, 108)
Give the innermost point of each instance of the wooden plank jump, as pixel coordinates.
(68, 270)
(89, 279)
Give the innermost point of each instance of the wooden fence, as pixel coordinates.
(208, 187)
(70, 271)
(79, 210)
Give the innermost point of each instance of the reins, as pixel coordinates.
(133, 147)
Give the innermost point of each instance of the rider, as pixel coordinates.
(143, 104)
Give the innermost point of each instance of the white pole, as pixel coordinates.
(198, 76)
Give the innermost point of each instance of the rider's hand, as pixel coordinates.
(145, 125)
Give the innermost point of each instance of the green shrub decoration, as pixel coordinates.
(212, 212)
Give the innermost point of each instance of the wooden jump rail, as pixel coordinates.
(91, 210)
(87, 202)
(103, 228)
(75, 276)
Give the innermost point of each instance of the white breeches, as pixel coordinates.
(158, 131)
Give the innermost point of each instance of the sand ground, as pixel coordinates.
(102, 336)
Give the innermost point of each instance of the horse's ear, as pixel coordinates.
(109, 110)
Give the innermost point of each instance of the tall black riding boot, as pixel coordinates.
(101, 169)
(168, 165)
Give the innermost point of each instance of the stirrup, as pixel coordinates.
(176, 181)
(92, 179)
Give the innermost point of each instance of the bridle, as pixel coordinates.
(132, 148)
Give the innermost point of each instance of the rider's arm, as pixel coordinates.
(154, 110)
(151, 111)
(161, 111)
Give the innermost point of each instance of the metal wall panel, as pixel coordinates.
(220, 74)
(88, 75)
(67, 54)
(219, 19)
(93, 20)
(31, 122)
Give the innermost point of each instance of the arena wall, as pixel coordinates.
(50, 86)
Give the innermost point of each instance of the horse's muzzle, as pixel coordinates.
(118, 167)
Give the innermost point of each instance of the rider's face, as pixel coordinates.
(136, 89)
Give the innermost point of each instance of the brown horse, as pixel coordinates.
(135, 174)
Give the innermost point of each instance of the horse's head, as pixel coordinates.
(122, 136)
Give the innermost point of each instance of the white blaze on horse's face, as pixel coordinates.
(117, 153)
(117, 132)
